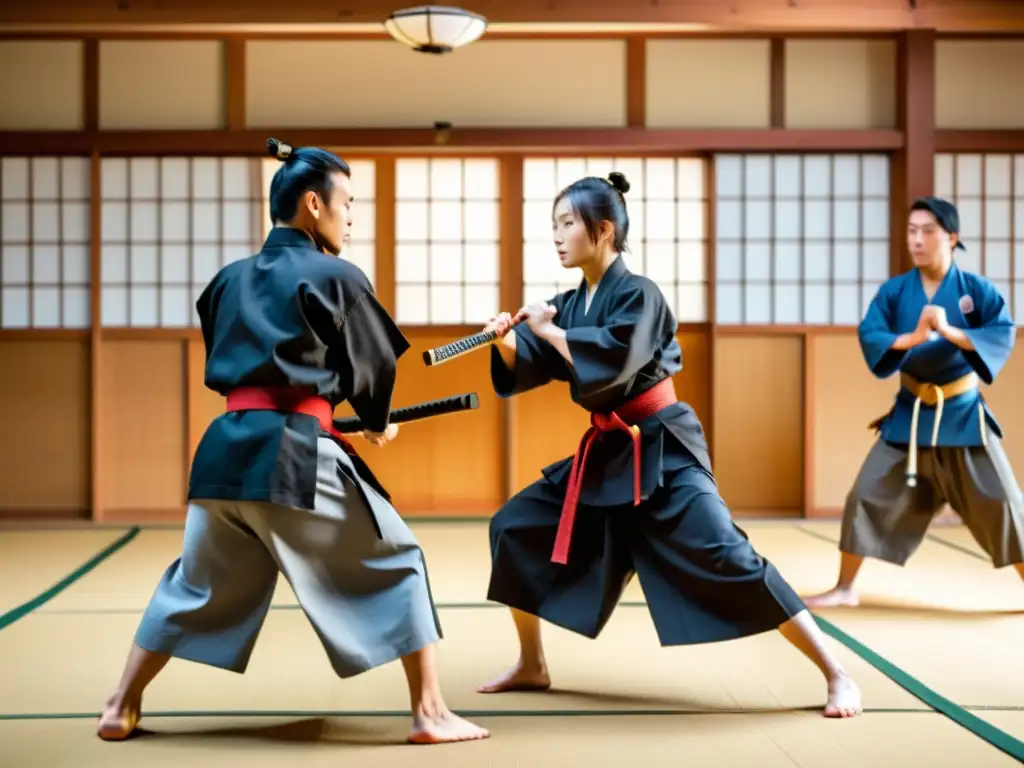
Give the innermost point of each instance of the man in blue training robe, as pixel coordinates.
(944, 330)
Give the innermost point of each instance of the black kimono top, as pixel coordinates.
(624, 345)
(290, 316)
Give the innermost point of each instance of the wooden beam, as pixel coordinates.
(636, 82)
(1011, 140)
(385, 194)
(234, 92)
(913, 166)
(95, 340)
(501, 140)
(91, 85)
(777, 82)
(510, 267)
(773, 15)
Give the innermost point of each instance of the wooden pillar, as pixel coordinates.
(913, 167)
(510, 292)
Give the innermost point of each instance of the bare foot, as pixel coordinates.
(843, 698)
(521, 677)
(442, 727)
(838, 597)
(118, 720)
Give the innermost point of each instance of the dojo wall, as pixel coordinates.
(106, 415)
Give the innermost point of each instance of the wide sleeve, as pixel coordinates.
(995, 334)
(607, 356)
(537, 362)
(365, 355)
(876, 335)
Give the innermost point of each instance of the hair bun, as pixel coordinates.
(278, 149)
(618, 180)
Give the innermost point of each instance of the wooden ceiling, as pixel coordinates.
(951, 16)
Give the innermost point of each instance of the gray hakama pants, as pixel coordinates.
(886, 519)
(367, 596)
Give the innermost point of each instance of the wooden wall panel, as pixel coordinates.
(988, 70)
(847, 397)
(732, 90)
(41, 85)
(204, 405)
(451, 465)
(758, 422)
(1005, 399)
(693, 383)
(176, 84)
(500, 83)
(143, 441)
(832, 84)
(44, 410)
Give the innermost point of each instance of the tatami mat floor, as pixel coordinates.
(948, 621)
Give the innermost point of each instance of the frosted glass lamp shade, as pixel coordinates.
(435, 29)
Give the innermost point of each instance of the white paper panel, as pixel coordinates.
(446, 263)
(788, 304)
(45, 178)
(757, 262)
(817, 304)
(14, 267)
(46, 307)
(997, 259)
(758, 303)
(166, 231)
(76, 265)
(728, 303)
(412, 304)
(944, 184)
(798, 236)
(846, 177)
(968, 175)
(75, 301)
(446, 212)
(846, 303)
(480, 264)
(691, 265)
(691, 303)
(143, 306)
(44, 240)
(787, 267)
(46, 264)
(729, 176)
(757, 177)
(14, 307)
(990, 220)
(74, 225)
(174, 178)
(114, 306)
(143, 178)
(480, 303)
(364, 257)
(175, 311)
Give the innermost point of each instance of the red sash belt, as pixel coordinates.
(639, 408)
(287, 400)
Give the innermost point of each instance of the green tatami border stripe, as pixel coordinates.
(474, 713)
(996, 737)
(983, 730)
(25, 609)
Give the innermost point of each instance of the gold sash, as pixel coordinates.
(935, 395)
